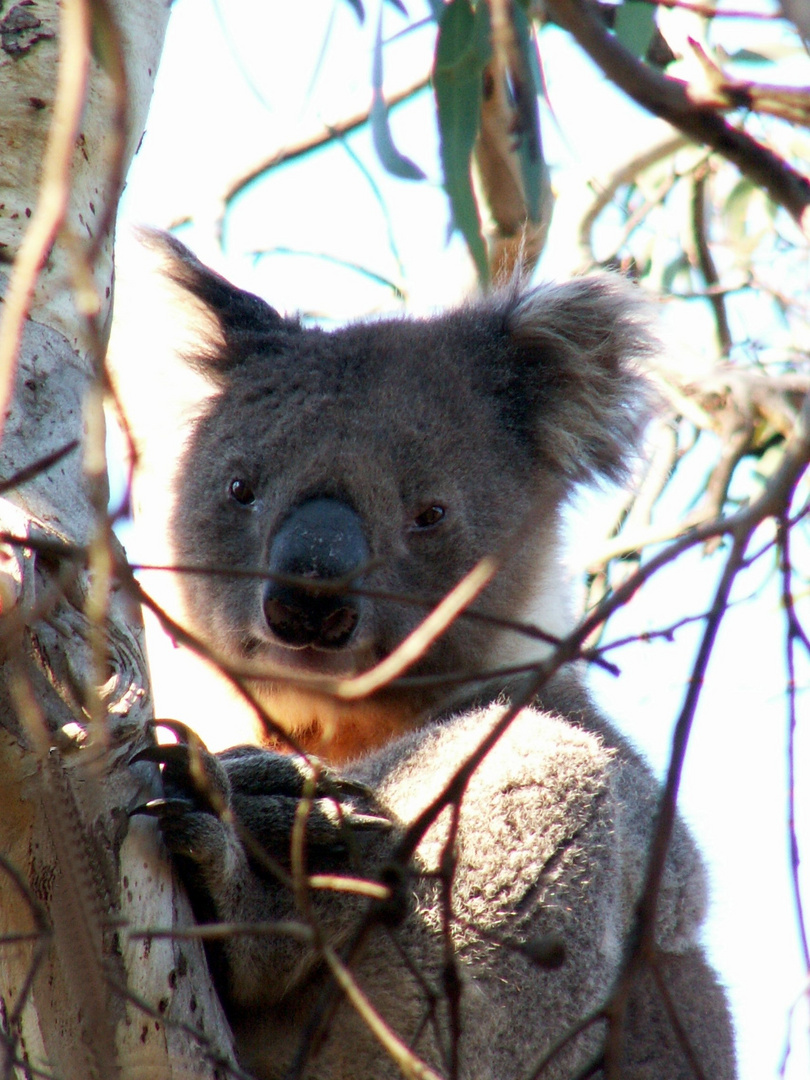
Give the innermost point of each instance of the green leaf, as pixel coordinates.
(396, 163)
(462, 52)
(635, 26)
(534, 172)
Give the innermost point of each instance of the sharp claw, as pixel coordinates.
(158, 808)
(182, 732)
(367, 821)
(162, 754)
(348, 787)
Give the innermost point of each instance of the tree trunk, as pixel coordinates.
(80, 995)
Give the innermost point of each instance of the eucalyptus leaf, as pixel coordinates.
(358, 9)
(390, 157)
(635, 26)
(462, 51)
(536, 183)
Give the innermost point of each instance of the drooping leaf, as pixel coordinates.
(392, 160)
(530, 148)
(462, 51)
(635, 26)
(358, 9)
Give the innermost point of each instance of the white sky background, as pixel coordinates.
(207, 126)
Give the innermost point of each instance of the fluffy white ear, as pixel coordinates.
(219, 325)
(579, 350)
(156, 326)
(154, 312)
(177, 330)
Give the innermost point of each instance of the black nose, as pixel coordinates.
(321, 541)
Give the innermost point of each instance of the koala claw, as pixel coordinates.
(260, 793)
(161, 753)
(160, 808)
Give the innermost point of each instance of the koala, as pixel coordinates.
(335, 487)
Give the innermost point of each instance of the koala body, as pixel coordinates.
(335, 487)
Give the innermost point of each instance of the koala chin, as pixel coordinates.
(336, 486)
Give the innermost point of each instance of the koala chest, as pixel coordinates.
(333, 730)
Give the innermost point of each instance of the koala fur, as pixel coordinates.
(358, 470)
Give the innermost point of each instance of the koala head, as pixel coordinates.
(338, 484)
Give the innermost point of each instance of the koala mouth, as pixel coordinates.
(278, 657)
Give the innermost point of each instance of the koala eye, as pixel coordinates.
(241, 492)
(429, 517)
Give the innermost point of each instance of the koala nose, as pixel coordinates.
(321, 541)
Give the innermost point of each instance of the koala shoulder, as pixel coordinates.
(551, 799)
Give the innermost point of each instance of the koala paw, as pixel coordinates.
(250, 797)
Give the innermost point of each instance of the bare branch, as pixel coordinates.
(795, 632)
(704, 258)
(673, 101)
(328, 133)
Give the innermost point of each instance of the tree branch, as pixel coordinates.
(328, 133)
(673, 101)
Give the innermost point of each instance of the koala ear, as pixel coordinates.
(573, 381)
(223, 325)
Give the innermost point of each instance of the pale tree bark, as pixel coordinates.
(81, 995)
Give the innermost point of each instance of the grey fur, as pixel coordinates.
(493, 413)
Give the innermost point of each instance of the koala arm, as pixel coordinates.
(548, 862)
(551, 850)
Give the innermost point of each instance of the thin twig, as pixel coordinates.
(200, 1038)
(328, 133)
(671, 100)
(36, 468)
(411, 1065)
(419, 640)
(794, 632)
(623, 176)
(705, 261)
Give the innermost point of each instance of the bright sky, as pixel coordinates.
(233, 89)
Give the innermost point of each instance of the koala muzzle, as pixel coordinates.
(321, 542)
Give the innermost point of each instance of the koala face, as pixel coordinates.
(338, 484)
